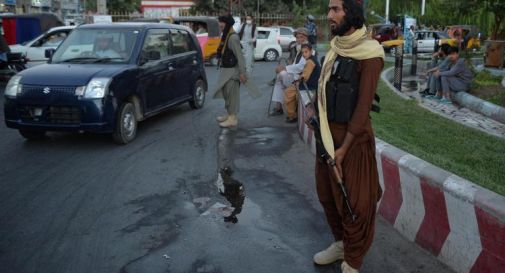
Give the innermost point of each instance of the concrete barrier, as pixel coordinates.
(460, 223)
(480, 106)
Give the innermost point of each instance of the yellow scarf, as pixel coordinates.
(230, 32)
(357, 46)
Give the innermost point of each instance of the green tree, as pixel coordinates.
(483, 7)
(489, 15)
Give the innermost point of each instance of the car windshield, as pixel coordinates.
(97, 46)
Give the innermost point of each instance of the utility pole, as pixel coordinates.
(387, 11)
(423, 7)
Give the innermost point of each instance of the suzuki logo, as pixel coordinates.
(46, 90)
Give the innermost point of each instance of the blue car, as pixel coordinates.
(105, 78)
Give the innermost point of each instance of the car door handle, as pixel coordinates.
(171, 67)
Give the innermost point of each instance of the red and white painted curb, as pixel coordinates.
(460, 223)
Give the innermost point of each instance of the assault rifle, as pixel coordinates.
(314, 121)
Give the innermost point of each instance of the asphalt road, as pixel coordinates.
(80, 203)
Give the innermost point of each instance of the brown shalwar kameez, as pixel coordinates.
(359, 171)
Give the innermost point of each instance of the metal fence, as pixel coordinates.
(262, 19)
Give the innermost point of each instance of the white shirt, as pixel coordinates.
(296, 69)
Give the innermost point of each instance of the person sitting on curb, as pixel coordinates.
(457, 78)
(310, 75)
(286, 75)
(440, 63)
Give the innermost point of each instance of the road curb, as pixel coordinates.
(459, 222)
(480, 106)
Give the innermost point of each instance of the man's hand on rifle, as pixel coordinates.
(339, 158)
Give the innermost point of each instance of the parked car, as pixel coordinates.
(427, 39)
(383, 32)
(35, 49)
(106, 78)
(286, 37)
(267, 45)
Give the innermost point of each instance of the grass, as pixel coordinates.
(488, 87)
(466, 152)
(485, 78)
(497, 98)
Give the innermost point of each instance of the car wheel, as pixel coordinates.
(271, 55)
(198, 99)
(32, 134)
(126, 124)
(214, 61)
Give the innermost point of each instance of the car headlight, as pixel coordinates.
(13, 88)
(96, 88)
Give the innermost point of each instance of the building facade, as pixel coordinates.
(164, 8)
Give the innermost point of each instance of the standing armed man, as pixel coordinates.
(346, 91)
(233, 71)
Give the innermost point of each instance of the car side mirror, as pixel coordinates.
(49, 53)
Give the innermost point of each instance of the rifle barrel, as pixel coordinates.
(325, 156)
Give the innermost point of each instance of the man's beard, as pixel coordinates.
(340, 30)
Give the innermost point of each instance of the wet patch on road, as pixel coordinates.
(159, 224)
(265, 141)
(229, 187)
(247, 142)
(156, 209)
(233, 191)
(200, 266)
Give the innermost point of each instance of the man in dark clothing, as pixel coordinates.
(233, 72)
(349, 78)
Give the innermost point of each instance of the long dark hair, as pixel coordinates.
(354, 14)
(229, 21)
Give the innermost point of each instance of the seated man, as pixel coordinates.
(457, 78)
(287, 75)
(104, 47)
(439, 63)
(310, 75)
